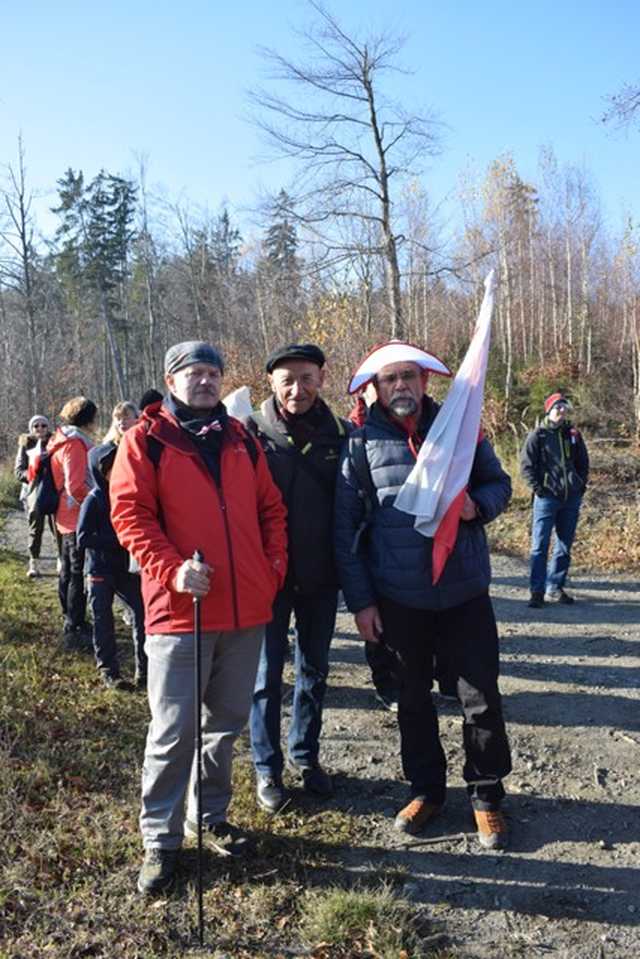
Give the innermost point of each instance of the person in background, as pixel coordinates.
(148, 397)
(107, 571)
(124, 416)
(68, 449)
(302, 439)
(30, 444)
(555, 464)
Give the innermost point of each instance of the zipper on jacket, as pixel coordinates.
(563, 463)
(232, 568)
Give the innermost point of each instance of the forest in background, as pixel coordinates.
(353, 250)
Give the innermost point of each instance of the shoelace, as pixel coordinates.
(493, 821)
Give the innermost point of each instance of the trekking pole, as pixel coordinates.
(197, 639)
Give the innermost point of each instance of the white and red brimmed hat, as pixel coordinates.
(395, 351)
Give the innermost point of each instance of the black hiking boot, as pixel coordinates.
(536, 601)
(315, 779)
(559, 596)
(270, 793)
(158, 871)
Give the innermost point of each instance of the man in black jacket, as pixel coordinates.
(302, 439)
(555, 464)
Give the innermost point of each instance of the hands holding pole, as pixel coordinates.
(194, 576)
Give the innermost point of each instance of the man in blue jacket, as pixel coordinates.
(107, 569)
(385, 569)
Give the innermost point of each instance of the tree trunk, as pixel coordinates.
(114, 349)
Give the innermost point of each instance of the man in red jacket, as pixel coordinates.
(189, 477)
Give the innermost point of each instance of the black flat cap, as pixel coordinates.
(296, 351)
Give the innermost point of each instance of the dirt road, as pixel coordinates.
(569, 885)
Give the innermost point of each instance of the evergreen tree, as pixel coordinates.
(95, 239)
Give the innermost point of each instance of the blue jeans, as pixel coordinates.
(315, 618)
(102, 589)
(551, 514)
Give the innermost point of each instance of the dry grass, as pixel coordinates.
(9, 487)
(339, 923)
(70, 755)
(608, 536)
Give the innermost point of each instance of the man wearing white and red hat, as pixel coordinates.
(386, 570)
(555, 464)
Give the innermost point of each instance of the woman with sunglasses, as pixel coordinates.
(29, 446)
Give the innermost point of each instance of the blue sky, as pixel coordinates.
(92, 86)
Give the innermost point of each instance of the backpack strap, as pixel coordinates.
(285, 442)
(366, 489)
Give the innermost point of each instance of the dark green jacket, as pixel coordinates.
(306, 479)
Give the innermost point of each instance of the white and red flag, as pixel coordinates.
(435, 489)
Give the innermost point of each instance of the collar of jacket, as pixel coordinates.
(269, 409)
(64, 434)
(564, 426)
(163, 426)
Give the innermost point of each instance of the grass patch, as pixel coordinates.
(9, 488)
(340, 923)
(70, 758)
(608, 535)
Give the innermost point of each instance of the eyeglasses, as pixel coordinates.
(404, 376)
(39, 426)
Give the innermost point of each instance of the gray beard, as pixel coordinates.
(403, 406)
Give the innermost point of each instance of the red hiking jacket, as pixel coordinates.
(68, 449)
(164, 511)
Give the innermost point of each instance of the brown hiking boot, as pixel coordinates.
(492, 828)
(415, 816)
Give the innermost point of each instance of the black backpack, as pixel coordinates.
(42, 495)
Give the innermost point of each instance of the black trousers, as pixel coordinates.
(36, 528)
(70, 583)
(382, 663)
(468, 637)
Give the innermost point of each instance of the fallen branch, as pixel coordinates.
(434, 840)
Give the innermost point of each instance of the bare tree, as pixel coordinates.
(17, 267)
(350, 142)
(624, 107)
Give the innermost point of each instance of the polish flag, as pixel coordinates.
(434, 490)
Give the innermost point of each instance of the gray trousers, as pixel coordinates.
(229, 664)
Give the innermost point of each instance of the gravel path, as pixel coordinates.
(569, 885)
